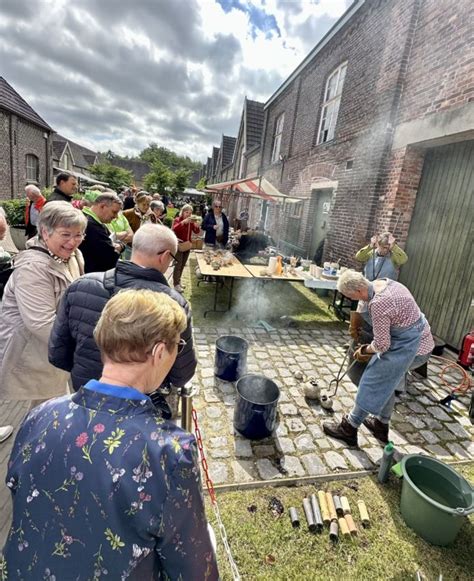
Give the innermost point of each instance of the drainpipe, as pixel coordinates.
(12, 179)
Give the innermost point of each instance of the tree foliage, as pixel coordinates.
(159, 178)
(113, 175)
(202, 183)
(181, 179)
(169, 158)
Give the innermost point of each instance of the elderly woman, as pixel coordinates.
(184, 226)
(158, 209)
(216, 226)
(32, 294)
(382, 257)
(101, 484)
(402, 341)
(140, 214)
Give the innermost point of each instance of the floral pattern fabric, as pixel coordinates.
(104, 488)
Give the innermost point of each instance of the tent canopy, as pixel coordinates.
(257, 187)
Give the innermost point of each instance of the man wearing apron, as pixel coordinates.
(402, 341)
(382, 257)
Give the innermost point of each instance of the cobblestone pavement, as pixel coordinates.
(299, 447)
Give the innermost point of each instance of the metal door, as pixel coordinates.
(321, 218)
(440, 244)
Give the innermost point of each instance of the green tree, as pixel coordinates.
(159, 178)
(113, 175)
(169, 158)
(181, 179)
(202, 183)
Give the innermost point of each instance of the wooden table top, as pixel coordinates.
(235, 270)
(256, 269)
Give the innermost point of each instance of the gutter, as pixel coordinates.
(350, 12)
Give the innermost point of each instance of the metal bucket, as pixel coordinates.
(255, 414)
(231, 357)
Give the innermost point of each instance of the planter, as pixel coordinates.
(18, 236)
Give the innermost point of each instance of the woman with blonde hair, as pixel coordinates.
(184, 226)
(41, 274)
(112, 488)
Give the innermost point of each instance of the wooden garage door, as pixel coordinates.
(440, 243)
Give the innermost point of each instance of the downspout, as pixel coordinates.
(12, 179)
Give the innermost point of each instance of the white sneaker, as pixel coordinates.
(179, 288)
(5, 432)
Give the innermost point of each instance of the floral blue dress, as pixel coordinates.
(104, 488)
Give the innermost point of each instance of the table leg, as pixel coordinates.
(231, 290)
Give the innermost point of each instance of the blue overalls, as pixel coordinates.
(380, 267)
(386, 371)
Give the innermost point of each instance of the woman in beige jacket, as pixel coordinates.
(42, 273)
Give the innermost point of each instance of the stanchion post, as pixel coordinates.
(187, 407)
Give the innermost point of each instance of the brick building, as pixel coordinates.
(373, 131)
(25, 145)
(70, 156)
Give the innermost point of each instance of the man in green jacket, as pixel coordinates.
(382, 257)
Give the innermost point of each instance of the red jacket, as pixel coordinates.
(184, 231)
(40, 202)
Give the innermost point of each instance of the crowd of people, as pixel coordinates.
(99, 347)
(99, 473)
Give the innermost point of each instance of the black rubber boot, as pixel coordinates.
(343, 431)
(378, 429)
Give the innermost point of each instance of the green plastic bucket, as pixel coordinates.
(435, 499)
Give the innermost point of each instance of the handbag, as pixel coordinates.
(185, 246)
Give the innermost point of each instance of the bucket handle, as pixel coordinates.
(465, 511)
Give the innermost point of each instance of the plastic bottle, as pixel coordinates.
(386, 462)
(279, 266)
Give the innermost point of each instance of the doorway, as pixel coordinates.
(321, 203)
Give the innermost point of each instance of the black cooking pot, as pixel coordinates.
(255, 414)
(231, 357)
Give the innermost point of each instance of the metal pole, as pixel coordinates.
(186, 407)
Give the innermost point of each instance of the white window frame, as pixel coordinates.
(296, 209)
(242, 169)
(332, 101)
(32, 168)
(277, 137)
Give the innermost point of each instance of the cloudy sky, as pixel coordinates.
(117, 74)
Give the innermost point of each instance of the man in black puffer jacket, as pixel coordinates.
(71, 343)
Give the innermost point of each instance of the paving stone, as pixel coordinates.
(244, 470)
(323, 443)
(375, 454)
(458, 451)
(210, 397)
(288, 410)
(295, 425)
(267, 470)
(243, 448)
(445, 435)
(208, 381)
(415, 421)
(285, 445)
(213, 412)
(206, 371)
(315, 430)
(358, 459)
(263, 451)
(438, 413)
(458, 430)
(219, 453)
(416, 407)
(335, 461)
(305, 443)
(281, 430)
(218, 472)
(438, 451)
(313, 464)
(229, 400)
(413, 449)
(396, 438)
(431, 423)
(218, 441)
(292, 466)
(430, 437)
(226, 388)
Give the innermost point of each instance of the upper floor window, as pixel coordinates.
(332, 100)
(66, 161)
(242, 169)
(32, 168)
(277, 138)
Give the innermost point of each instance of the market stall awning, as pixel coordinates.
(258, 187)
(81, 176)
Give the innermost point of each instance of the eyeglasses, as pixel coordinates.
(173, 257)
(65, 237)
(181, 345)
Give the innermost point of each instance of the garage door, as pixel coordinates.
(440, 243)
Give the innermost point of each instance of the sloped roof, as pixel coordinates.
(228, 146)
(13, 102)
(255, 115)
(215, 157)
(138, 167)
(82, 156)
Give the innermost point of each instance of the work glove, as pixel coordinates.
(361, 355)
(355, 325)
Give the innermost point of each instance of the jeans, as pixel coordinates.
(181, 259)
(358, 415)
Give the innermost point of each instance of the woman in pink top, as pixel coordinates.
(402, 341)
